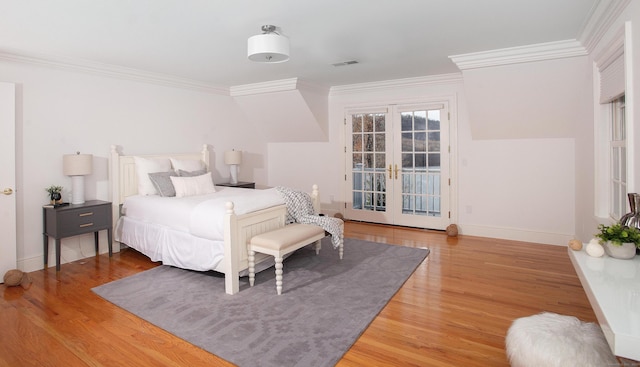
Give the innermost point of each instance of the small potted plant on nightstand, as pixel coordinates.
(619, 241)
(55, 194)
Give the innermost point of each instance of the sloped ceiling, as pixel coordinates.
(304, 119)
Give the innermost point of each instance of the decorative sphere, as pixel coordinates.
(595, 249)
(13, 277)
(452, 230)
(575, 245)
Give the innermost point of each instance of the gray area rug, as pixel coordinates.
(325, 305)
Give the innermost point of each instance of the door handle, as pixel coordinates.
(390, 171)
(396, 170)
(7, 191)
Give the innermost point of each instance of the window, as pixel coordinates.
(613, 175)
(618, 159)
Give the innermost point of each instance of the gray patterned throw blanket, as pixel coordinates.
(300, 210)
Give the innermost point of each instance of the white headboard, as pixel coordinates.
(122, 171)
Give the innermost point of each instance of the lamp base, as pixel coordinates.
(77, 189)
(233, 169)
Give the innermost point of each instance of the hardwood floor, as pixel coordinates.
(453, 311)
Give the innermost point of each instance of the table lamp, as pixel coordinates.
(77, 166)
(233, 158)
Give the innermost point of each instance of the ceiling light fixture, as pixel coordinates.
(269, 46)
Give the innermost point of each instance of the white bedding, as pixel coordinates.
(201, 216)
(171, 247)
(186, 232)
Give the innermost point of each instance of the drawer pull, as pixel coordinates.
(86, 225)
(85, 214)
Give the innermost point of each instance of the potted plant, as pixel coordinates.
(618, 240)
(55, 194)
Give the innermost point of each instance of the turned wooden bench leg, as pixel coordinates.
(251, 257)
(279, 275)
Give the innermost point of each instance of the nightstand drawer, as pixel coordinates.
(84, 220)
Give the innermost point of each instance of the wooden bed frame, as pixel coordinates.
(238, 229)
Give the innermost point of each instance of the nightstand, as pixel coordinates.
(244, 185)
(75, 219)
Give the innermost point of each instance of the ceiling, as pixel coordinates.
(206, 40)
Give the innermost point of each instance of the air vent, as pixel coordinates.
(345, 63)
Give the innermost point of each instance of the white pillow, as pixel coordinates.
(191, 186)
(187, 164)
(144, 166)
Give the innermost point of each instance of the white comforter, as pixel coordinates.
(201, 216)
(186, 232)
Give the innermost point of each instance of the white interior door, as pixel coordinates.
(398, 165)
(8, 256)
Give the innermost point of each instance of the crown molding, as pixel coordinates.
(396, 83)
(602, 17)
(520, 54)
(91, 67)
(282, 85)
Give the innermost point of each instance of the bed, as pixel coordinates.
(221, 247)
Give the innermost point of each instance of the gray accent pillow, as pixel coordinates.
(163, 183)
(183, 173)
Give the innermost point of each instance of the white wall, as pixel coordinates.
(517, 189)
(528, 100)
(518, 166)
(60, 112)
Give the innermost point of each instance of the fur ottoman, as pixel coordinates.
(552, 340)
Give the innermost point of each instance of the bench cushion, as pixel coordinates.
(286, 236)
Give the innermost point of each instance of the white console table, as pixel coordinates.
(613, 288)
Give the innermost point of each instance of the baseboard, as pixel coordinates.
(515, 234)
(73, 249)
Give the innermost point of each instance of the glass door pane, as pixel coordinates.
(420, 152)
(368, 149)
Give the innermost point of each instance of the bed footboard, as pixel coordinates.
(238, 231)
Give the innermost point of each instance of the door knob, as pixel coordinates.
(7, 191)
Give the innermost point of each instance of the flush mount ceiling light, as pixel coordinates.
(268, 47)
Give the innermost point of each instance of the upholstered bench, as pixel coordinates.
(280, 242)
(553, 340)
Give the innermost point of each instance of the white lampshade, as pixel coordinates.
(77, 166)
(269, 47)
(233, 157)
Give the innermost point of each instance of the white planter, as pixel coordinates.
(626, 251)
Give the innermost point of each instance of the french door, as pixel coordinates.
(398, 165)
